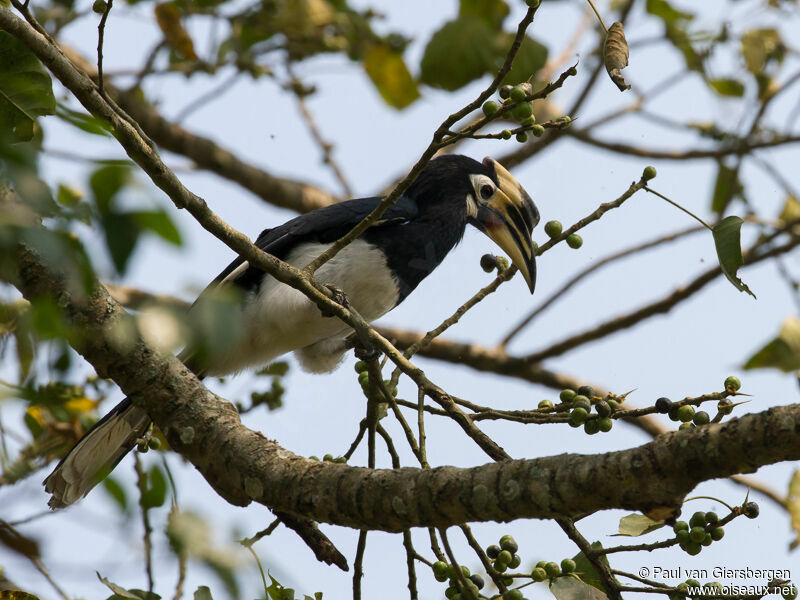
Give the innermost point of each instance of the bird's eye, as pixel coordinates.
(486, 191)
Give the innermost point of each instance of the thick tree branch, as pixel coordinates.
(244, 466)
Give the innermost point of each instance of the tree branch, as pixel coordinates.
(243, 466)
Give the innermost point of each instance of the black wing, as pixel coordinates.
(323, 225)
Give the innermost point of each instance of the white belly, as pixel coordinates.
(279, 319)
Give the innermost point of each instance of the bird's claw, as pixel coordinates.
(366, 353)
(337, 295)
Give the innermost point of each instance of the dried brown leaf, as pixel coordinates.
(615, 55)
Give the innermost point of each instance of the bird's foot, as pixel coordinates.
(338, 296)
(366, 352)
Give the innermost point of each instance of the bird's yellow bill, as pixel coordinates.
(509, 222)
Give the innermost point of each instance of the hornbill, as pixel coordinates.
(375, 272)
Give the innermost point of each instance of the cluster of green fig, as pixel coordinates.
(702, 530)
(521, 111)
(363, 379)
(582, 401)
(553, 229)
(688, 417)
(445, 572)
(544, 570)
(710, 588)
(330, 458)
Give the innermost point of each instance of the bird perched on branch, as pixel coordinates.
(375, 272)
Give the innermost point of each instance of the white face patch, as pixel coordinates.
(483, 189)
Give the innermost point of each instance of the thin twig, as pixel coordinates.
(101, 29)
(141, 483)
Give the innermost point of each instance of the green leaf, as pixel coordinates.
(158, 222)
(729, 250)
(531, 57)
(203, 593)
(389, 73)
(83, 121)
(586, 571)
(760, 47)
(572, 588)
(122, 234)
(119, 591)
(106, 182)
(783, 352)
(450, 63)
(492, 12)
(156, 492)
(637, 524)
(26, 90)
(790, 211)
(727, 87)
(277, 592)
(116, 491)
(726, 187)
(665, 11)
(793, 506)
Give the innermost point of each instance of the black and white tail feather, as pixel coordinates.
(96, 454)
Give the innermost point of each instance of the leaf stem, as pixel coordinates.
(599, 18)
(675, 204)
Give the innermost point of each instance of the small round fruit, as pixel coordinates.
(361, 366)
(522, 111)
(488, 262)
(100, 7)
(538, 574)
(363, 378)
(568, 565)
(683, 537)
(477, 580)
(685, 426)
(679, 526)
(602, 408)
(504, 557)
(693, 548)
(577, 416)
(440, 570)
(750, 510)
(505, 134)
(552, 569)
(528, 121)
(545, 404)
(725, 406)
(512, 595)
(154, 443)
(515, 562)
(711, 517)
(537, 131)
(492, 551)
(613, 404)
(707, 540)
(698, 519)
(605, 424)
(692, 583)
(500, 567)
(789, 591)
(328, 458)
(490, 107)
(509, 543)
(582, 401)
(517, 93)
(649, 173)
(586, 390)
(505, 90)
(592, 426)
(574, 241)
(686, 413)
(717, 533)
(465, 571)
(697, 534)
(521, 137)
(553, 228)
(450, 592)
(732, 384)
(541, 564)
(663, 405)
(533, 3)
(567, 395)
(673, 413)
(701, 418)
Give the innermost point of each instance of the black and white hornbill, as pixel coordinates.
(375, 272)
